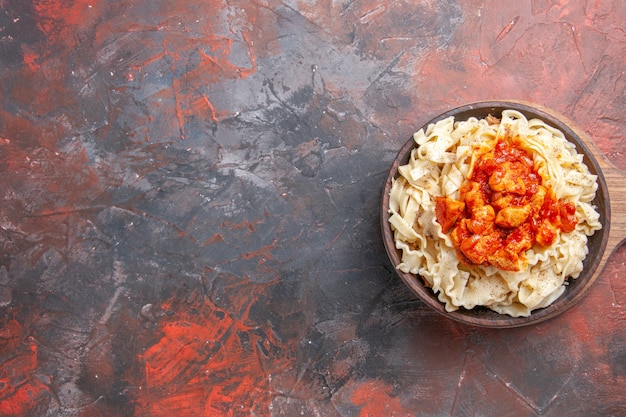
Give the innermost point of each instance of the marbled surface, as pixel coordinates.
(190, 202)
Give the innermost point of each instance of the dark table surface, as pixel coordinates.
(190, 201)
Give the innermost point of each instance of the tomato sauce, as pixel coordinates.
(504, 210)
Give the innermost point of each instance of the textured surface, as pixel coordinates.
(190, 194)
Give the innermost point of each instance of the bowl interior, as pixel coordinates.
(596, 244)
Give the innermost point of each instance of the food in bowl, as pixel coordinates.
(493, 212)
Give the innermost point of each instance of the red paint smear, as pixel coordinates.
(245, 224)
(208, 362)
(30, 59)
(47, 81)
(265, 252)
(201, 60)
(375, 400)
(205, 61)
(20, 390)
(212, 67)
(43, 188)
(59, 19)
(176, 89)
(195, 62)
(212, 110)
(213, 239)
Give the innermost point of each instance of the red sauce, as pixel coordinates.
(505, 209)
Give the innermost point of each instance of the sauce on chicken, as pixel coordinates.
(504, 210)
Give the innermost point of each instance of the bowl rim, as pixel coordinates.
(481, 316)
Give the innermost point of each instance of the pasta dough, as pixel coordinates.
(444, 158)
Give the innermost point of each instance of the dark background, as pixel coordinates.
(190, 201)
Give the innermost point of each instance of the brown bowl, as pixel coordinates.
(600, 245)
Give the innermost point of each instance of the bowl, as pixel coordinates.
(597, 244)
